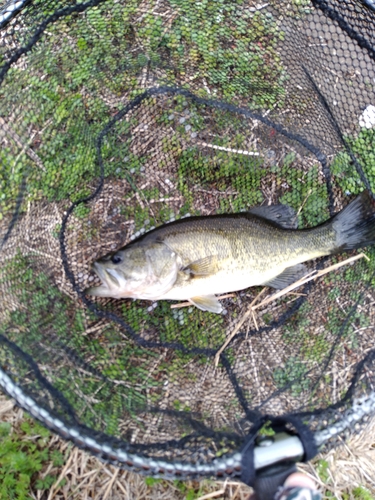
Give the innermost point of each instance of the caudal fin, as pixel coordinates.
(355, 225)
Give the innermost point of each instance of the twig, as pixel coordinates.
(230, 150)
(254, 319)
(187, 304)
(238, 326)
(110, 484)
(161, 200)
(301, 207)
(214, 494)
(9, 405)
(24, 147)
(53, 489)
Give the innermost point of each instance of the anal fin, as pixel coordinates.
(207, 303)
(288, 276)
(99, 291)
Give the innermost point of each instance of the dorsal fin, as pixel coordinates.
(282, 215)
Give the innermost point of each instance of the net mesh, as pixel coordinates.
(118, 117)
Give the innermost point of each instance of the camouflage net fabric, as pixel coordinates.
(119, 116)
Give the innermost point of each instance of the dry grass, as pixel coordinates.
(350, 466)
(85, 477)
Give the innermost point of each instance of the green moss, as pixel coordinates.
(80, 68)
(229, 48)
(361, 493)
(266, 430)
(344, 171)
(220, 173)
(322, 468)
(151, 481)
(306, 192)
(23, 454)
(292, 375)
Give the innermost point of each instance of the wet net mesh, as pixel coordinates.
(119, 116)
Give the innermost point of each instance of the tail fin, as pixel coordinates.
(355, 225)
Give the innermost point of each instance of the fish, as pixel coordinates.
(196, 258)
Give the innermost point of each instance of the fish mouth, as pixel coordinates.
(101, 273)
(113, 276)
(97, 268)
(110, 277)
(113, 284)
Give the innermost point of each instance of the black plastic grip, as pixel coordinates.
(269, 479)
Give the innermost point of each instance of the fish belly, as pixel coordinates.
(219, 284)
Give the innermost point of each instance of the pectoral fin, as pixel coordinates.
(207, 303)
(288, 276)
(203, 267)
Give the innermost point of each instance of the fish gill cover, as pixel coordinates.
(117, 117)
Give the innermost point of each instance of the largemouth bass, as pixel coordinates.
(197, 257)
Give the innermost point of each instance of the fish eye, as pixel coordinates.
(116, 259)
